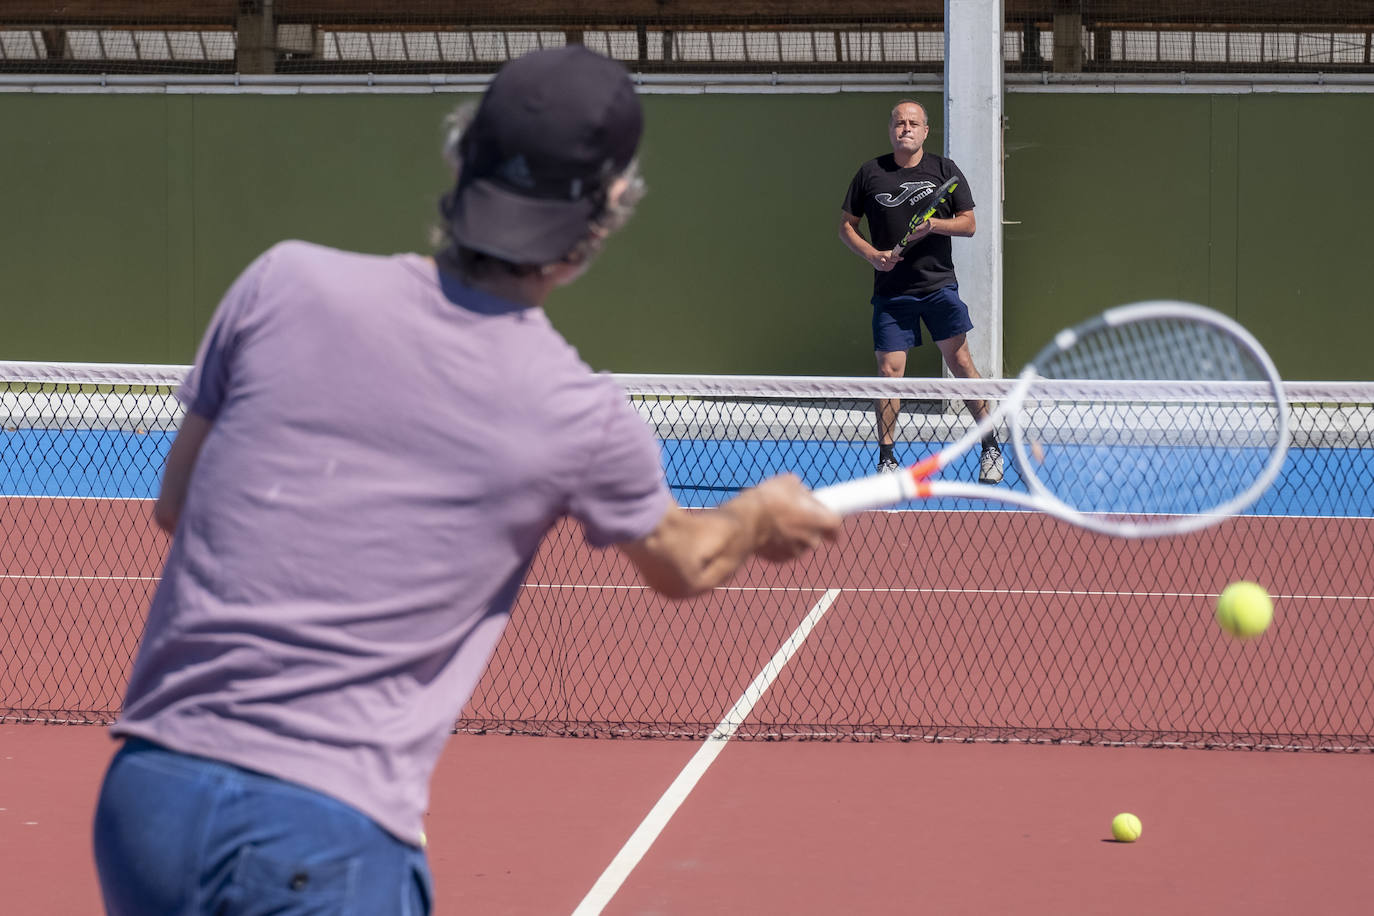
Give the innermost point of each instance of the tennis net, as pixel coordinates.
(956, 620)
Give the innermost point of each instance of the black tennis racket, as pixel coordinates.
(928, 207)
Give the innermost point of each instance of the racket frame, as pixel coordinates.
(913, 482)
(940, 195)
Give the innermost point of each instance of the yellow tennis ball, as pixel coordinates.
(1126, 828)
(1244, 610)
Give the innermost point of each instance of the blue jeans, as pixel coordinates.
(177, 834)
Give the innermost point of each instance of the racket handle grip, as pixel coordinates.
(873, 492)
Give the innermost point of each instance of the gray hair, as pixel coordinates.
(613, 215)
(900, 102)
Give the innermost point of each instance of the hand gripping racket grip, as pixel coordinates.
(871, 492)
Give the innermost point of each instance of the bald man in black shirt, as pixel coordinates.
(913, 275)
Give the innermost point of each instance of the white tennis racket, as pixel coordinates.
(1205, 437)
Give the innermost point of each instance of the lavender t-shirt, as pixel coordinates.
(388, 448)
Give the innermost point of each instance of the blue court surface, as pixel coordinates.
(1323, 482)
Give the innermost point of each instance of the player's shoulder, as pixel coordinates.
(297, 251)
(946, 167)
(943, 165)
(876, 166)
(883, 164)
(569, 389)
(563, 370)
(295, 264)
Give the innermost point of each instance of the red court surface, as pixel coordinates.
(1061, 634)
(1066, 634)
(525, 826)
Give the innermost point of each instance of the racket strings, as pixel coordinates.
(1184, 441)
(1163, 350)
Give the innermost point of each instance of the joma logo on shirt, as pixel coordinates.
(909, 188)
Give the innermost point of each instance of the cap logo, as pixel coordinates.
(517, 172)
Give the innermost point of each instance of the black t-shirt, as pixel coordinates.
(887, 196)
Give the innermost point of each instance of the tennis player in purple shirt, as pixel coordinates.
(354, 503)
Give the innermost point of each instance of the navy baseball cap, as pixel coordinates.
(554, 128)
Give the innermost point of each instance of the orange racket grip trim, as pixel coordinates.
(925, 468)
(923, 489)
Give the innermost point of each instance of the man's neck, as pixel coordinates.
(530, 290)
(906, 161)
(527, 290)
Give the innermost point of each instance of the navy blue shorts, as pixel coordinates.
(896, 321)
(181, 834)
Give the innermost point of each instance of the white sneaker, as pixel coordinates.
(888, 464)
(990, 465)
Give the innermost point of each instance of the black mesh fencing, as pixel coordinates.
(694, 36)
(957, 621)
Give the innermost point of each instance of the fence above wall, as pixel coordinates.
(802, 36)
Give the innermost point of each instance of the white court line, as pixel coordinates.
(859, 589)
(82, 578)
(648, 830)
(98, 499)
(984, 510)
(913, 590)
(981, 509)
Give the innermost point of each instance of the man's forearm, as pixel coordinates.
(856, 242)
(961, 225)
(176, 475)
(689, 552)
(693, 551)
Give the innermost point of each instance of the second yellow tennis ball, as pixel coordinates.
(1244, 610)
(1126, 828)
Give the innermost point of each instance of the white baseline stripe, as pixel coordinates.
(965, 510)
(99, 499)
(864, 589)
(42, 578)
(915, 590)
(1021, 513)
(648, 830)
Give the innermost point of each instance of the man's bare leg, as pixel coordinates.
(891, 364)
(960, 361)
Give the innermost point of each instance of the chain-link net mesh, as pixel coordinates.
(948, 621)
(693, 36)
(79, 556)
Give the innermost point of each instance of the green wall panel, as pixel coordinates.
(128, 215)
(1223, 193)
(1306, 190)
(83, 241)
(1086, 176)
(184, 320)
(354, 172)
